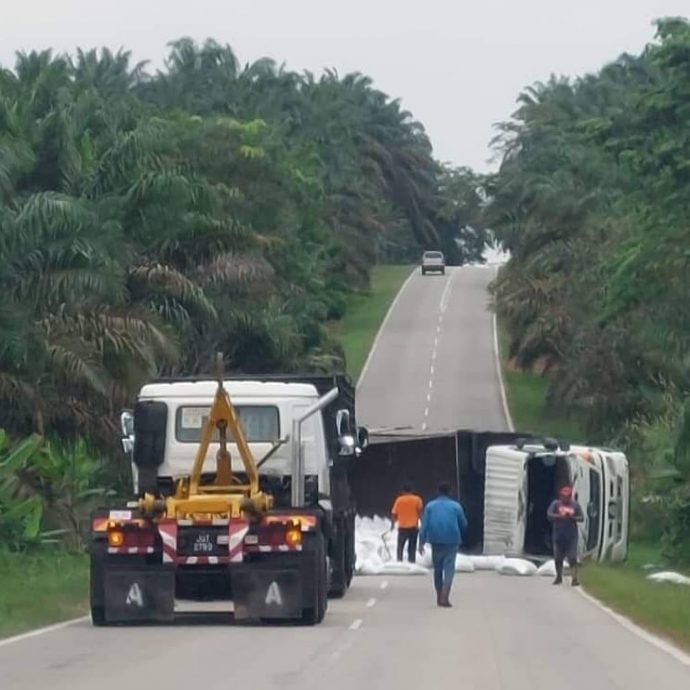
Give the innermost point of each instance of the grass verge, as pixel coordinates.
(662, 608)
(41, 588)
(526, 393)
(365, 312)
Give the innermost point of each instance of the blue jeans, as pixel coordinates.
(443, 558)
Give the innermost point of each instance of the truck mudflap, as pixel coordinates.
(267, 593)
(139, 594)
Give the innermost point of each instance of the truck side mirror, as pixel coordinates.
(127, 428)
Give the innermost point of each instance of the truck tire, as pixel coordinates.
(350, 552)
(97, 595)
(315, 613)
(423, 272)
(98, 616)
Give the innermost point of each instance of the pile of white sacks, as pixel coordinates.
(375, 546)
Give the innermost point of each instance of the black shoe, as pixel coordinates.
(558, 581)
(575, 582)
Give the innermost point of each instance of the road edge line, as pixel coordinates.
(372, 349)
(42, 631)
(656, 641)
(499, 373)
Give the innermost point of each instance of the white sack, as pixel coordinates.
(486, 562)
(463, 564)
(403, 568)
(371, 566)
(517, 566)
(548, 569)
(424, 559)
(669, 576)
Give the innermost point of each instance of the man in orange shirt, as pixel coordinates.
(407, 511)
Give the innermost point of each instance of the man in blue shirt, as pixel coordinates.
(443, 523)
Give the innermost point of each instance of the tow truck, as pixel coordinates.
(272, 538)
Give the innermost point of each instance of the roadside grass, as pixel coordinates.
(41, 588)
(526, 393)
(662, 608)
(365, 312)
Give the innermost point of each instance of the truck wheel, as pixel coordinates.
(423, 272)
(311, 615)
(350, 552)
(97, 594)
(98, 616)
(443, 271)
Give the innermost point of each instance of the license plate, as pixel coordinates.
(203, 543)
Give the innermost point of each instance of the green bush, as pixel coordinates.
(46, 490)
(676, 539)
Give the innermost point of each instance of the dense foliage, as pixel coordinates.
(148, 221)
(592, 199)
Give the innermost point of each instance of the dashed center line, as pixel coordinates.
(384, 584)
(356, 624)
(371, 602)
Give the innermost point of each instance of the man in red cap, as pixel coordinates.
(564, 514)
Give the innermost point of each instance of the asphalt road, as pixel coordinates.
(433, 367)
(502, 634)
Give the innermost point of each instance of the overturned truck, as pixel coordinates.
(505, 481)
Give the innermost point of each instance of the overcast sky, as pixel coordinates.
(458, 65)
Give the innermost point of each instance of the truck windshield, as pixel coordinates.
(433, 255)
(261, 423)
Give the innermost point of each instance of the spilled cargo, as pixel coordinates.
(505, 481)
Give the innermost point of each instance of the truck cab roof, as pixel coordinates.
(206, 389)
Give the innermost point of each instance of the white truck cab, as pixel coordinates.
(266, 411)
(521, 481)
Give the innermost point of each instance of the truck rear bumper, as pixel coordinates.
(135, 593)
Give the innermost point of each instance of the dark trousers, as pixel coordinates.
(564, 549)
(409, 535)
(443, 558)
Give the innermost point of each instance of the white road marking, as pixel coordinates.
(43, 631)
(426, 412)
(431, 371)
(384, 584)
(428, 397)
(431, 383)
(356, 624)
(446, 293)
(433, 356)
(424, 426)
(435, 343)
(382, 327)
(501, 381)
(371, 602)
